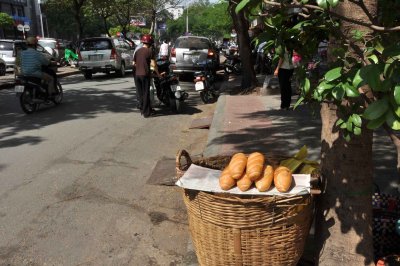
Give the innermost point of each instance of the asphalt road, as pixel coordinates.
(73, 178)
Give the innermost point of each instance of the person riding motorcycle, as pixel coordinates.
(32, 62)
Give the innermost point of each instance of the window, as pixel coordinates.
(6, 46)
(102, 44)
(192, 43)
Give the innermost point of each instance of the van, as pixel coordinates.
(104, 54)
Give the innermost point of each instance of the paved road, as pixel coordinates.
(73, 178)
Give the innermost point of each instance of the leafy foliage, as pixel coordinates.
(5, 20)
(204, 19)
(351, 78)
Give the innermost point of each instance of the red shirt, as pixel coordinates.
(142, 60)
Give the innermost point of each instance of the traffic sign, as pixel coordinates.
(27, 27)
(20, 27)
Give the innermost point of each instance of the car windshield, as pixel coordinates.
(47, 43)
(192, 43)
(6, 46)
(88, 45)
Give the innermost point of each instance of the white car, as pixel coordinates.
(104, 54)
(51, 45)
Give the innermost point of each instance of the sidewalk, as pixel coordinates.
(7, 81)
(247, 123)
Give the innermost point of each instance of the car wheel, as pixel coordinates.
(88, 75)
(121, 71)
(2, 69)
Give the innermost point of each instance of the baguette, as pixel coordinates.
(282, 179)
(226, 181)
(237, 165)
(255, 165)
(265, 182)
(244, 183)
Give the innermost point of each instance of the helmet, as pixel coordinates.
(147, 38)
(31, 41)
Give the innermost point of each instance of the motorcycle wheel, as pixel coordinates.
(227, 70)
(88, 75)
(59, 96)
(26, 102)
(237, 68)
(206, 96)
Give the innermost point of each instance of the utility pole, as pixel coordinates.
(41, 18)
(187, 19)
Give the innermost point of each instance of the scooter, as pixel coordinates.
(205, 84)
(232, 64)
(167, 88)
(32, 92)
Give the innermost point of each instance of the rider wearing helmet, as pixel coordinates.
(144, 61)
(32, 61)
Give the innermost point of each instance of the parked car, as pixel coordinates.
(2, 67)
(6, 52)
(104, 54)
(21, 45)
(189, 54)
(51, 45)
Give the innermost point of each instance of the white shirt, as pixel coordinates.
(164, 49)
(287, 61)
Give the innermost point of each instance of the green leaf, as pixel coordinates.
(379, 47)
(322, 3)
(241, 5)
(338, 92)
(324, 86)
(347, 137)
(333, 3)
(357, 131)
(356, 119)
(339, 122)
(370, 74)
(386, 85)
(306, 86)
(350, 90)
(376, 109)
(343, 126)
(299, 101)
(393, 121)
(376, 123)
(349, 126)
(357, 79)
(391, 51)
(333, 74)
(374, 59)
(397, 94)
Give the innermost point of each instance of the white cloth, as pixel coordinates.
(164, 49)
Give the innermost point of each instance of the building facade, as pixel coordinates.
(24, 12)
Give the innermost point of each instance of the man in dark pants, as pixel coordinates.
(144, 61)
(284, 71)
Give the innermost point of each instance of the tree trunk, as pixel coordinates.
(153, 22)
(241, 25)
(344, 210)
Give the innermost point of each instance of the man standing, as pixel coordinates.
(144, 62)
(164, 49)
(32, 62)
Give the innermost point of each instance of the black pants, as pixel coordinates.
(142, 84)
(285, 76)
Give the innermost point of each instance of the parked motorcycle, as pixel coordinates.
(167, 88)
(32, 92)
(205, 84)
(232, 64)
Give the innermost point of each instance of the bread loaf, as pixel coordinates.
(255, 165)
(282, 179)
(226, 181)
(237, 165)
(265, 182)
(244, 183)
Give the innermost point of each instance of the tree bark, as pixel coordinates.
(344, 210)
(249, 79)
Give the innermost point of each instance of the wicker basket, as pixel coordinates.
(244, 230)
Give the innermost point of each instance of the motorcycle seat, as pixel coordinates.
(34, 80)
(198, 73)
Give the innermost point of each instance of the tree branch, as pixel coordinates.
(317, 8)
